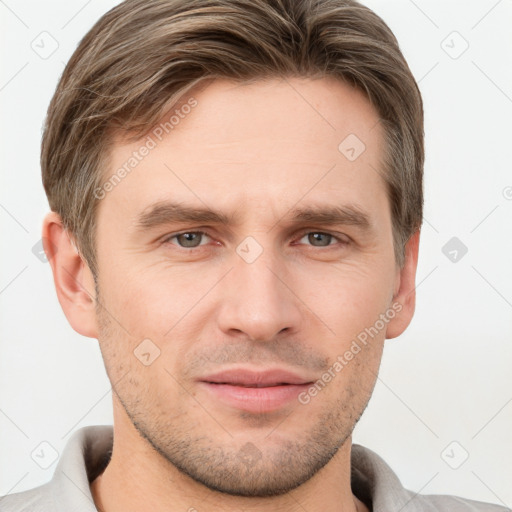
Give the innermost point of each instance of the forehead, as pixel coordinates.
(258, 146)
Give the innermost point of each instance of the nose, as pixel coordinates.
(259, 301)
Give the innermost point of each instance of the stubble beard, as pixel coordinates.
(270, 466)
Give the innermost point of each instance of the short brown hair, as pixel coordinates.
(144, 53)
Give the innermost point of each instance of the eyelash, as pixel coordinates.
(300, 235)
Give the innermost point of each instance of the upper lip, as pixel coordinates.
(252, 378)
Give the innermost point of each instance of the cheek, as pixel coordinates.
(149, 300)
(150, 303)
(136, 365)
(347, 385)
(349, 299)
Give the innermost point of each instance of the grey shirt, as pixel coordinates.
(88, 451)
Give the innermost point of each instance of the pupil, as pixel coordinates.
(189, 239)
(314, 237)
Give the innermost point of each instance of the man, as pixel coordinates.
(236, 196)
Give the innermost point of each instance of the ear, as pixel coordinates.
(405, 289)
(74, 282)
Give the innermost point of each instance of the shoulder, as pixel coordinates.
(38, 499)
(446, 503)
(373, 481)
(85, 455)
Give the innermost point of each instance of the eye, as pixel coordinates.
(321, 239)
(193, 239)
(187, 239)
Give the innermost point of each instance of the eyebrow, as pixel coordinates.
(169, 212)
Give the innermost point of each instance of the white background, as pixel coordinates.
(447, 378)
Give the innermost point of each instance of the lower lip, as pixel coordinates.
(256, 400)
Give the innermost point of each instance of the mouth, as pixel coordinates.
(255, 391)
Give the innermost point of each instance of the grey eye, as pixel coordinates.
(189, 239)
(323, 239)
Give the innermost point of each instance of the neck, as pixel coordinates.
(139, 479)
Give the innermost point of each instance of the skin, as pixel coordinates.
(257, 150)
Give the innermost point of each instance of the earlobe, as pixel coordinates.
(404, 300)
(72, 277)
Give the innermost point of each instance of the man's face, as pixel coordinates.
(270, 300)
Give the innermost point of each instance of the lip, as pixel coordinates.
(255, 391)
